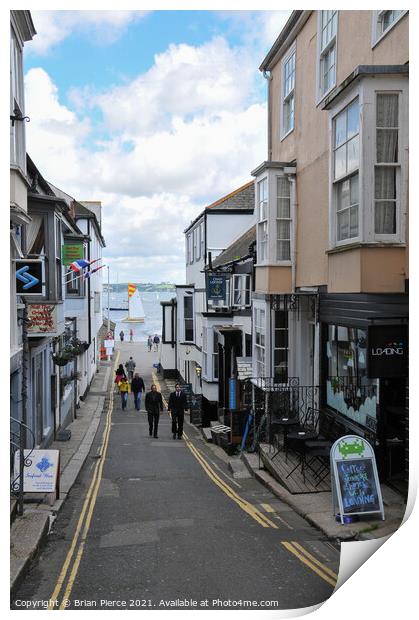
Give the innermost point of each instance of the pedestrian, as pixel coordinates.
(149, 343)
(119, 373)
(156, 341)
(137, 386)
(124, 391)
(131, 335)
(153, 405)
(177, 405)
(121, 335)
(130, 366)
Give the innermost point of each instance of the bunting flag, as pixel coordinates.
(131, 290)
(81, 263)
(89, 273)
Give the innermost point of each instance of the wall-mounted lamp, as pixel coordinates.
(198, 370)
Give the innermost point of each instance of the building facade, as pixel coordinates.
(332, 207)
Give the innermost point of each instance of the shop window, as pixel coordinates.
(349, 391)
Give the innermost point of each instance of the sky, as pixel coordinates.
(155, 113)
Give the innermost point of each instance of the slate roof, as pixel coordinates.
(237, 250)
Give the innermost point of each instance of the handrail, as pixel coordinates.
(21, 439)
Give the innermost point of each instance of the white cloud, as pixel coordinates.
(55, 26)
(178, 137)
(183, 81)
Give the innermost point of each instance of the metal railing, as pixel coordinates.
(21, 439)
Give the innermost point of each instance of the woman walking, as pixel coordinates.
(124, 391)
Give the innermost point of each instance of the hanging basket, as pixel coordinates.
(62, 360)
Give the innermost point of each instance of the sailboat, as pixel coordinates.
(135, 306)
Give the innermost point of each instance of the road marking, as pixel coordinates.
(295, 548)
(268, 507)
(90, 500)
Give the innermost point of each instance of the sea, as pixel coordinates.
(152, 309)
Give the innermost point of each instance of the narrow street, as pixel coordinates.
(156, 522)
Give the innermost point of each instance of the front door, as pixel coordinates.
(393, 431)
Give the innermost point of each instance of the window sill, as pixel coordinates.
(285, 135)
(369, 244)
(322, 96)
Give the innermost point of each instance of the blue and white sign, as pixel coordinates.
(41, 470)
(29, 277)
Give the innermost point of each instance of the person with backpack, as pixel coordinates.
(156, 341)
(137, 387)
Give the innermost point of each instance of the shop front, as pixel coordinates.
(364, 375)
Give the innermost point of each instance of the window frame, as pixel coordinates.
(263, 224)
(377, 36)
(335, 182)
(283, 261)
(189, 318)
(260, 350)
(321, 53)
(247, 290)
(285, 98)
(366, 90)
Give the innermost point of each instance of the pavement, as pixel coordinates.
(28, 532)
(316, 508)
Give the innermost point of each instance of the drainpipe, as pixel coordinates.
(267, 75)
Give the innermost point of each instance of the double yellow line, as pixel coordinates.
(80, 535)
(313, 563)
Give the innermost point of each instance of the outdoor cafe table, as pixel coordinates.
(300, 437)
(284, 422)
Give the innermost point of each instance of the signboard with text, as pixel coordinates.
(71, 252)
(387, 351)
(42, 319)
(355, 484)
(216, 287)
(41, 471)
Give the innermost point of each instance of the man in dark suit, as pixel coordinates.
(177, 405)
(153, 405)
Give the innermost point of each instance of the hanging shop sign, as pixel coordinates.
(387, 351)
(216, 287)
(41, 472)
(71, 252)
(42, 319)
(355, 484)
(29, 277)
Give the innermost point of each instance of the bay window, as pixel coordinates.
(262, 250)
(346, 171)
(386, 164)
(283, 219)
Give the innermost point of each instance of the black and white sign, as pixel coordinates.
(387, 351)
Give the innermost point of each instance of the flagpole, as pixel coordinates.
(109, 318)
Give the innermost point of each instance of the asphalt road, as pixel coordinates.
(161, 523)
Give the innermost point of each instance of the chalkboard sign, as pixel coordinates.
(196, 409)
(187, 390)
(355, 484)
